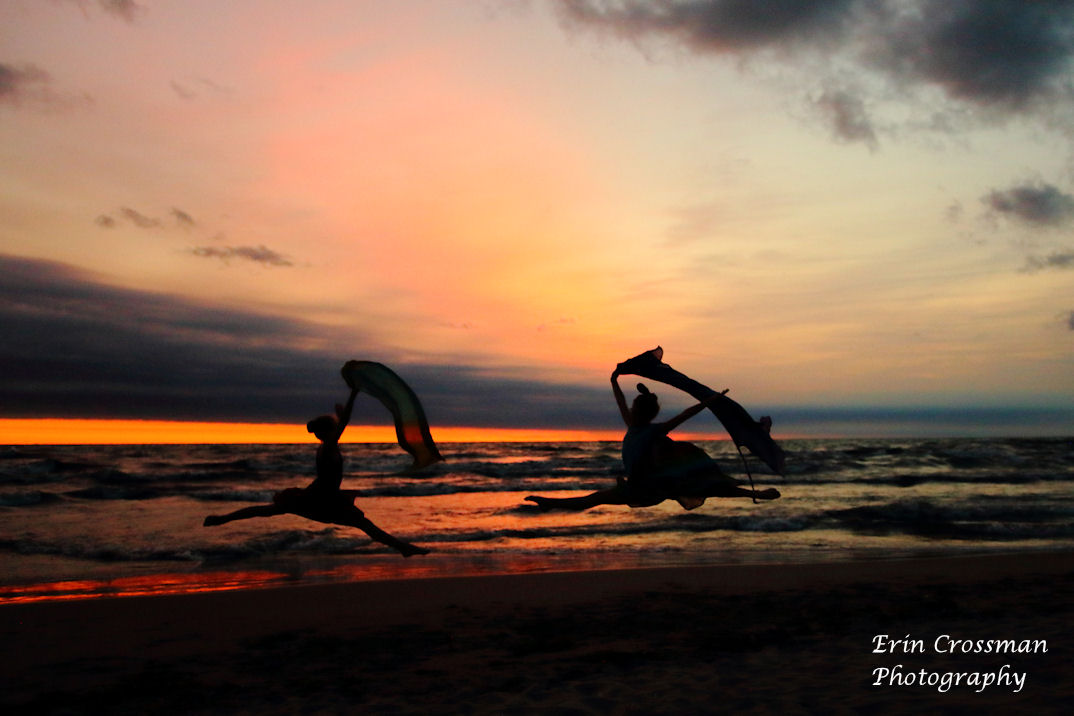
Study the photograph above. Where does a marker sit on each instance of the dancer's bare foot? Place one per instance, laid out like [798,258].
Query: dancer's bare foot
[541,502]
[412,549]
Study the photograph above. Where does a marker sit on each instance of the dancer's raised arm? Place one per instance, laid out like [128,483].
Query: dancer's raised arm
[343,413]
[620,399]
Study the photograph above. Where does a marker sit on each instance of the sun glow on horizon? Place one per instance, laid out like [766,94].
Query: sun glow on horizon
[62,431]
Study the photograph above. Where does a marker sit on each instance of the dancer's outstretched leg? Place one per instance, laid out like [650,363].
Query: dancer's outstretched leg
[244,514]
[724,487]
[325,511]
[355,518]
[569,503]
[621,494]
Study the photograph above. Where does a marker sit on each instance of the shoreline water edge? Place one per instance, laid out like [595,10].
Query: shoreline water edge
[89,521]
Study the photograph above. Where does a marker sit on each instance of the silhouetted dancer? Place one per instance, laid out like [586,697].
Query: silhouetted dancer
[657,467]
[322,500]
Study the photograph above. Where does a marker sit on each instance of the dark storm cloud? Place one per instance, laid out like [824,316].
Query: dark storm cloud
[718,25]
[76,347]
[1035,204]
[1070,321]
[1008,55]
[991,52]
[256,254]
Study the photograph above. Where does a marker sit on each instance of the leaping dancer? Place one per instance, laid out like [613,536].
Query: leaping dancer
[323,500]
[658,468]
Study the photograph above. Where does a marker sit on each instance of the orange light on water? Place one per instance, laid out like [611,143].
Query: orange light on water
[155,585]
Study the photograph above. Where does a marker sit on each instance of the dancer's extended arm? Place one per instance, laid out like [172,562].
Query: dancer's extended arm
[691,412]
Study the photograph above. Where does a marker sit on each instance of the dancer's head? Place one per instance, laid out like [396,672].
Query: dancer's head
[323,426]
[645,407]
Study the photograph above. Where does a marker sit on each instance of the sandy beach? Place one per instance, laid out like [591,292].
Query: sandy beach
[795,638]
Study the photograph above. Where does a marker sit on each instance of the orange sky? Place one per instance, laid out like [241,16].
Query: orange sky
[524,194]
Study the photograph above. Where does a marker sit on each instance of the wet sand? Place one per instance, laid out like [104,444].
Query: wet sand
[796,638]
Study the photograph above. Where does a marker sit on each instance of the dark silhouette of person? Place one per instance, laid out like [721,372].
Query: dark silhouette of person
[323,500]
[658,468]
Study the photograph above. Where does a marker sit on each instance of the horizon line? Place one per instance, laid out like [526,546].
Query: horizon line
[108,431]
[822,422]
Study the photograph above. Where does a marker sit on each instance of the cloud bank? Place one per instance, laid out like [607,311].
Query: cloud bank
[1006,54]
[998,57]
[75,346]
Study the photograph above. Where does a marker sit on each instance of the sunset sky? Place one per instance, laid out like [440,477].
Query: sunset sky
[840,210]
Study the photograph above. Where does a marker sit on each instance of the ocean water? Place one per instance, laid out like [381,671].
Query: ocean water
[89,521]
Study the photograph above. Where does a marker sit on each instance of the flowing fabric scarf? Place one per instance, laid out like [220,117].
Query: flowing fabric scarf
[411,426]
[743,429]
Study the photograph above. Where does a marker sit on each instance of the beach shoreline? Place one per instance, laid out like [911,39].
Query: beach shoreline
[654,640]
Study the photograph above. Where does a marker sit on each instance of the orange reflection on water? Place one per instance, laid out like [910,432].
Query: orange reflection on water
[156,584]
